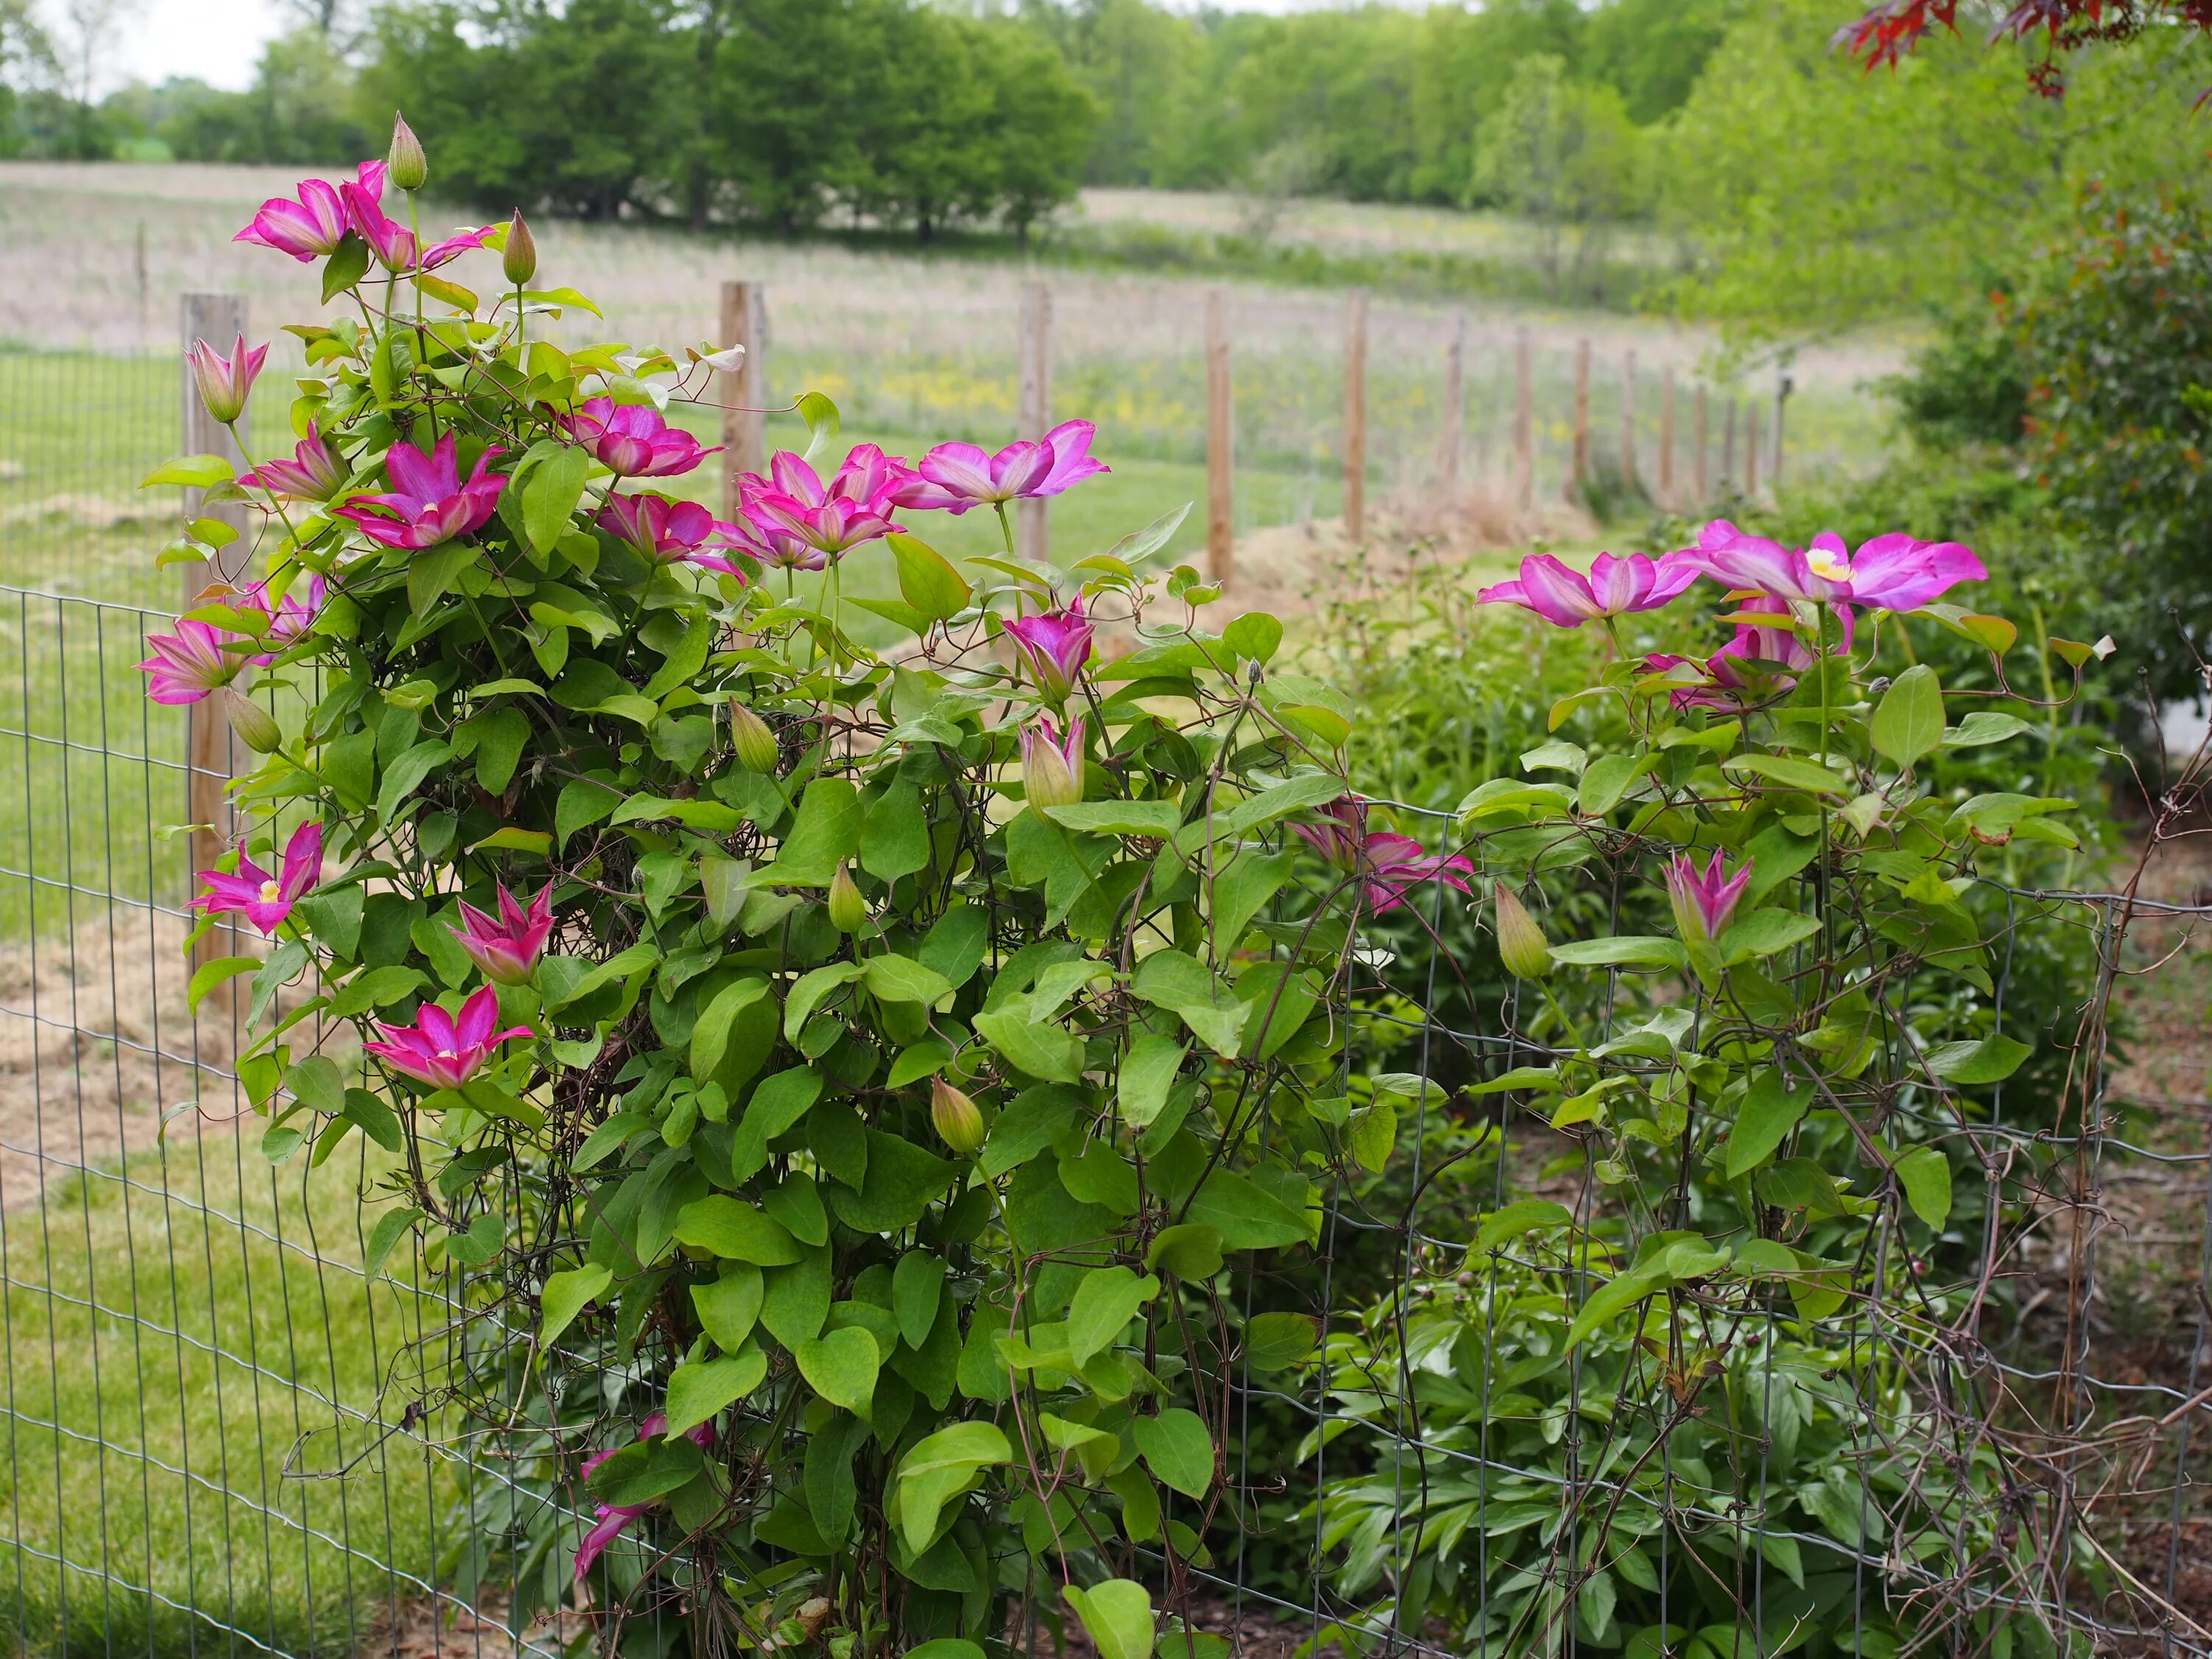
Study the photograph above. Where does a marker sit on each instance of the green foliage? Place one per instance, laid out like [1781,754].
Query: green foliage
[299,110]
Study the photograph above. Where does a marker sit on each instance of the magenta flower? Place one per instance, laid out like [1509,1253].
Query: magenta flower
[196,659]
[633,440]
[225,385]
[767,543]
[288,619]
[1053,646]
[668,532]
[1777,655]
[856,507]
[312,474]
[392,242]
[428,503]
[613,1517]
[313,225]
[506,949]
[1052,769]
[1613,587]
[1890,573]
[265,900]
[441,1050]
[957,477]
[1704,902]
[1388,864]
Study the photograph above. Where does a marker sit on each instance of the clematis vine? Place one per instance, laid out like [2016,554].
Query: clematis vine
[392,242]
[1614,586]
[315,223]
[955,477]
[186,666]
[670,532]
[1703,900]
[612,1518]
[506,948]
[225,384]
[1388,865]
[633,440]
[855,507]
[1894,572]
[263,899]
[1054,645]
[428,503]
[312,473]
[288,619]
[1052,767]
[442,1049]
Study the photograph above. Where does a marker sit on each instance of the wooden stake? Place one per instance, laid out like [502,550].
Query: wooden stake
[1220,443]
[1452,441]
[211,760]
[1628,422]
[1700,474]
[1033,414]
[1728,449]
[1667,440]
[1750,447]
[1524,424]
[1580,474]
[744,395]
[1782,389]
[1355,416]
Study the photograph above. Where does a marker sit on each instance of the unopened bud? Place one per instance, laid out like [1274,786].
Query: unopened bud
[404,164]
[755,744]
[1520,943]
[958,1123]
[255,726]
[848,911]
[520,259]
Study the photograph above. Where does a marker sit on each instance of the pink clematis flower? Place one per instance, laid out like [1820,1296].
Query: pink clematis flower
[1388,864]
[1890,573]
[313,225]
[1777,655]
[1702,900]
[957,477]
[855,507]
[670,532]
[225,384]
[312,474]
[288,619]
[634,441]
[612,1518]
[1052,767]
[442,1049]
[428,504]
[263,899]
[769,543]
[1614,586]
[392,242]
[507,949]
[1053,646]
[198,659]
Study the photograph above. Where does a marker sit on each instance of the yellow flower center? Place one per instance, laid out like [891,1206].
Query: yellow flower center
[271,892]
[1827,565]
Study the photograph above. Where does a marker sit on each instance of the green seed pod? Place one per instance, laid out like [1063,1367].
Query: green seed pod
[849,910]
[958,1123]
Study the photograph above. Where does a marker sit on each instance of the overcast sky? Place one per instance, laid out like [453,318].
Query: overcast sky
[219,40]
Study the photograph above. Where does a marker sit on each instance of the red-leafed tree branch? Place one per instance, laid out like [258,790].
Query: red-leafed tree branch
[1887,32]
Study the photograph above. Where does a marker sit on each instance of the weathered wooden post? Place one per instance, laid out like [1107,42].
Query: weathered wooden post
[1628,422]
[744,394]
[1524,424]
[1034,411]
[1355,416]
[1750,447]
[1667,439]
[1701,473]
[1220,444]
[1451,443]
[1580,475]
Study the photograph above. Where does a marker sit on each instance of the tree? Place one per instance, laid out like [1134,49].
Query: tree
[1563,153]
[299,110]
[1652,51]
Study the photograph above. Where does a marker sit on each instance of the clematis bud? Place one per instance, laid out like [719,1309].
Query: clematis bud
[958,1123]
[756,745]
[1520,944]
[405,167]
[519,261]
[255,726]
[848,911]
[1052,769]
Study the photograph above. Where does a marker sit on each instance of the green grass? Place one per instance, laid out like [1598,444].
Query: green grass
[184,1447]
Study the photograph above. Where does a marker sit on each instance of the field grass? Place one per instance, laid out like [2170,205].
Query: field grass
[192,1357]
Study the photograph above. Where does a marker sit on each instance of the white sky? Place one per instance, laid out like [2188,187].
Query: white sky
[219,41]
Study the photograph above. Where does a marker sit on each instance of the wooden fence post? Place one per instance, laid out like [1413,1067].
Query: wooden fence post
[1751,446]
[1628,422]
[1580,474]
[744,394]
[1728,449]
[210,759]
[1034,411]
[1220,444]
[1667,439]
[1700,473]
[1784,385]
[1355,416]
[1524,424]
[1452,442]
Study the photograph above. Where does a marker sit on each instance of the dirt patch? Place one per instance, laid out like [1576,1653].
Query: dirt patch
[444,1629]
[96,1043]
